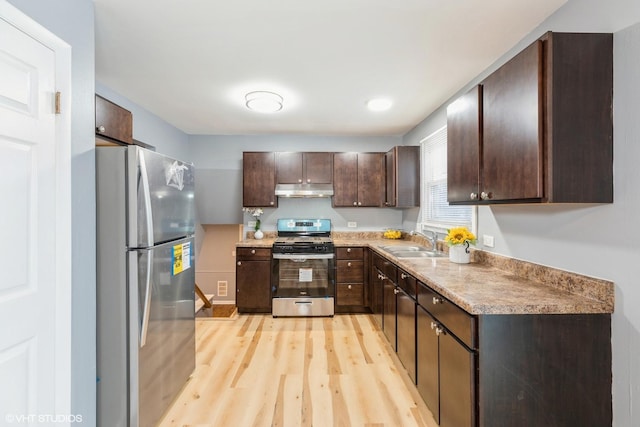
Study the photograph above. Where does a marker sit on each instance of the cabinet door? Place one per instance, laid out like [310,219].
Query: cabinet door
[258,179]
[253,286]
[389,311]
[289,168]
[406,332]
[345,179]
[427,380]
[512,157]
[318,168]
[370,179]
[464,119]
[390,178]
[457,383]
[113,121]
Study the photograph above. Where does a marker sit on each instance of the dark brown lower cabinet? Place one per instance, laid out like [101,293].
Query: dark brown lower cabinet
[389,290]
[406,332]
[457,382]
[253,280]
[428,378]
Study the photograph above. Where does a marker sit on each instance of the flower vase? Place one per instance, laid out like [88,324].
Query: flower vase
[258,234]
[460,254]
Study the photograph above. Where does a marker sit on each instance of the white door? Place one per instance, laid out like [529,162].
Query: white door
[34,228]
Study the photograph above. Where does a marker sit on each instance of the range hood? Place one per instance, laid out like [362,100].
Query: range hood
[304,190]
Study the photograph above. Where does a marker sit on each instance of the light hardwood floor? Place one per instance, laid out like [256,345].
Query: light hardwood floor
[260,371]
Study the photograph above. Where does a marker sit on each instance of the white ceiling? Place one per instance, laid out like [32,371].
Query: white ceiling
[190,62]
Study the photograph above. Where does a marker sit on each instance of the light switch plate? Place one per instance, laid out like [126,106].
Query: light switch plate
[352,224]
[488,241]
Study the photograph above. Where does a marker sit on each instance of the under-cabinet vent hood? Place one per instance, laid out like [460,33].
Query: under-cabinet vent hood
[304,190]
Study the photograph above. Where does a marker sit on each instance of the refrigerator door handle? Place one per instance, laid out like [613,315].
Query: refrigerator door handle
[147,199]
[147,300]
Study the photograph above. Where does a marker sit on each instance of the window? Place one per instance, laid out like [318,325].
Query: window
[435,211]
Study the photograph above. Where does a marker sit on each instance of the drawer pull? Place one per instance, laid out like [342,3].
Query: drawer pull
[396,291]
[437,300]
[348,249]
[403,276]
[349,287]
[348,264]
[433,325]
[253,251]
[439,330]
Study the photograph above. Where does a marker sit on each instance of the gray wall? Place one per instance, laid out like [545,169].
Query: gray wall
[596,240]
[219,164]
[72,21]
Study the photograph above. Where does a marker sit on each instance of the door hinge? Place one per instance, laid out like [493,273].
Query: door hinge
[57,107]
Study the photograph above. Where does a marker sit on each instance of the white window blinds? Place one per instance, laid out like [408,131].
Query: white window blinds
[435,210]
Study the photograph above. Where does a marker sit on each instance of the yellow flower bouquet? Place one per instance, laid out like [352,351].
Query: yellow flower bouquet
[460,236]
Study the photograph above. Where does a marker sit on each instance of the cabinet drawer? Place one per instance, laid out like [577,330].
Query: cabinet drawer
[350,294]
[408,283]
[462,324]
[386,267]
[349,253]
[350,271]
[253,253]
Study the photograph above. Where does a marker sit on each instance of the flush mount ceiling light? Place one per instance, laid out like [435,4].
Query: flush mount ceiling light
[263,101]
[379,104]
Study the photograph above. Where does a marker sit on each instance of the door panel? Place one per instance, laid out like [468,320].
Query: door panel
[34,196]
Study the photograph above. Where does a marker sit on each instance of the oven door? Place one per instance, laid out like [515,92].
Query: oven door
[303,275]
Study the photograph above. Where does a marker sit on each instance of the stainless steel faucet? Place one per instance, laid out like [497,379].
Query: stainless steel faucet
[433,239]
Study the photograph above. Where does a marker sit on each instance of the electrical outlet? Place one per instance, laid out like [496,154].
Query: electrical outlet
[488,241]
[251,224]
[352,224]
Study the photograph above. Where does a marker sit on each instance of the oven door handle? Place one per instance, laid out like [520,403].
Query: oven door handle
[302,257]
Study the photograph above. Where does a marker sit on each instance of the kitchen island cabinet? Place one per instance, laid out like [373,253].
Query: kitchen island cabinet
[259,179]
[358,179]
[253,280]
[543,127]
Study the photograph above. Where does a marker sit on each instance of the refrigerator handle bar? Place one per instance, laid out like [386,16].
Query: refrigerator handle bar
[147,300]
[147,199]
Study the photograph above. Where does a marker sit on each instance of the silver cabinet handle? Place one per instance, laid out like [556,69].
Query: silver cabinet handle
[253,251]
[486,196]
[355,203]
[403,276]
[439,330]
[308,180]
[433,325]
[359,203]
[437,300]
[348,249]
[396,291]
[348,264]
[239,262]
[300,180]
[101,129]
[271,203]
[349,287]
[473,196]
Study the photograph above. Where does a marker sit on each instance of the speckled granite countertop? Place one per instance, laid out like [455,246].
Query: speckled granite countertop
[491,284]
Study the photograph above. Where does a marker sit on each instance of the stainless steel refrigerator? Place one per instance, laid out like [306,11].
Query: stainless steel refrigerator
[145,283]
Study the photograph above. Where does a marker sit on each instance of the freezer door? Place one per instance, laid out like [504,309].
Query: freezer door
[160,196]
[162,327]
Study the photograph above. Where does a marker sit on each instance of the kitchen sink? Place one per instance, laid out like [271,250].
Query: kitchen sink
[412,251]
[419,254]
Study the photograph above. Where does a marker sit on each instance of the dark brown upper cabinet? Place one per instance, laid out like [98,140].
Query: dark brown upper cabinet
[304,168]
[402,176]
[358,179]
[113,121]
[542,125]
[259,179]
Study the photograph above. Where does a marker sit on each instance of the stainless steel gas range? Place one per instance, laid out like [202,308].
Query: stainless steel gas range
[303,268]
